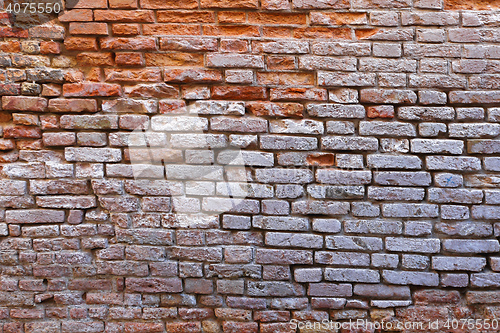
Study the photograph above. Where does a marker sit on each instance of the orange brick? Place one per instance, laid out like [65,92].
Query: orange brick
[50,48]
[239,93]
[472,5]
[132,75]
[171,29]
[80,44]
[365,33]
[95,75]
[123,4]
[335,33]
[76,15]
[247,4]
[169,4]
[320,159]
[10,46]
[124,15]
[185,16]
[87,4]
[286,79]
[174,59]
[129,59]
[281,62]
[139,43]
[325,18]
[88,28]
[13,32]
[95,59]
[277,32]
[232,17]
[125,29]
[231,30]
[277,19]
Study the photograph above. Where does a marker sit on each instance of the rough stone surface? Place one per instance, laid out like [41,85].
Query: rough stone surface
[225,166]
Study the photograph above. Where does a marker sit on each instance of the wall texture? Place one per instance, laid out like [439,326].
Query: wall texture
[229,165]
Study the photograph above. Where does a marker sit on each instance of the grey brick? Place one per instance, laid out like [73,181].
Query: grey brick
[352,275]
[471,246]
[419,178]
[336,111]
[413,245]
[381,227]
[410,210]
[382,291]
[473,264]
[395,193]
[305,207]
[348,143]
[411,278]
[426,113]
[433,146]
[386,128]
[336,258]
[297,176]
[282,142]
[452,163]
[384,161]
[353,243]
[281,239]
[343,177]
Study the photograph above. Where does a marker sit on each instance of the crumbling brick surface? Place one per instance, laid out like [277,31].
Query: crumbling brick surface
[231,165]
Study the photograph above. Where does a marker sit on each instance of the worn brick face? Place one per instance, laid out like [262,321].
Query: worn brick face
[230,165]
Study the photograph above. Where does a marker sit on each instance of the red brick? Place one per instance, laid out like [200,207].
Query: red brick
[232,17]
[91,89]
[174,59]
[239,93]
[25,119]
[231,30]
[185,16]
[122,43]
[247,4]
[333,33]
[281,62]
[133,75]
[123,4]
[50,48]
[124,15]
[80,44]
[10,46]
[285,79]
[278,18]
[238,327]
[88,28]
[125,29]
[129,59]
[13,32]
[72,105]
[10,89]
[380,111]
[169,4]
[171,29]
[87,4]
[24,103]
[192,75]
[275,109]
[144,328]
[277,32]
[76,15]
[95,59]
[320,159]
[298,94]
[471,5]
[192,327]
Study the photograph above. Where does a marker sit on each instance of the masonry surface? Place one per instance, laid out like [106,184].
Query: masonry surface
[230,165]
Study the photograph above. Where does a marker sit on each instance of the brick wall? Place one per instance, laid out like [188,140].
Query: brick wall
[229,165]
